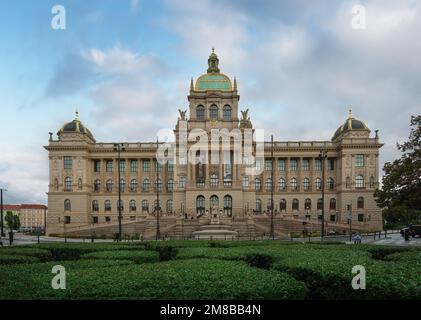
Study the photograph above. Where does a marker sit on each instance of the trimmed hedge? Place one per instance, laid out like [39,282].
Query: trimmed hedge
[180,279]
[139,256]
[14,259]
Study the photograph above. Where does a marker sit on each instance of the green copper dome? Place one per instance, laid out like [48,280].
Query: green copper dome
[75,126]
[350,124]
[213,79]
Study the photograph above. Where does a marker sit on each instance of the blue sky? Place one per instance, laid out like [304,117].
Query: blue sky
[126,65]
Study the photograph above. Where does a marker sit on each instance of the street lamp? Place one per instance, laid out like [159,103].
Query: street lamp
[158,234]
[119,147]
[1,212]
[322,157]
[272,234]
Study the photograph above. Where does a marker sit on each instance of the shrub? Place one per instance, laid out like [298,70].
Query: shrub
[179,279]
[167,253]
[213,244]
[14,259]
[138,256]
[259,260]
[379,253]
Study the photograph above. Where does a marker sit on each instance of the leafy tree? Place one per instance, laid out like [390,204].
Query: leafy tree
[12,220]
[401,190]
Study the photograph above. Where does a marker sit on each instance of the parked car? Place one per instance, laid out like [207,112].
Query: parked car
[415,230]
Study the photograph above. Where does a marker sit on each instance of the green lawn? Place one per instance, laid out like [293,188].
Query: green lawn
[209,270]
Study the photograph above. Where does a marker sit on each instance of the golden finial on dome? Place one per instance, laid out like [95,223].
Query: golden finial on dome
[350,112]
[213,49]
[77,114]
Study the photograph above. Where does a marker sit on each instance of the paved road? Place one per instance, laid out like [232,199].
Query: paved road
[397,240]
[392,240]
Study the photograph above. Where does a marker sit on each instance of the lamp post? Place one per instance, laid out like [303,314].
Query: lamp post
[158,234]
[119,147]
[322,157]
[349,207]
[272,234]
[1,212]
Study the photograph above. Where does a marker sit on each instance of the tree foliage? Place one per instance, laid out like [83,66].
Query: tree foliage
[402,179]
[12,220]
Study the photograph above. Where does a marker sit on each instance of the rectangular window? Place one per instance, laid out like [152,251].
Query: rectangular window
[158,166]
[67,162]
[318,165]
[245,182]
[361,217]
[170,166]
[133,166]
[182,182]
[258,165]
[109,166]
[331,164]
[359,160]
[281,165]
[293,165]
[306,165]
[97,165]
[146,165]
[122,165]
[268,165]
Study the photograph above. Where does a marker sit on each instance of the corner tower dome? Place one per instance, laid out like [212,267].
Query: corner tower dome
[351,124]
[213,79]
[76,126]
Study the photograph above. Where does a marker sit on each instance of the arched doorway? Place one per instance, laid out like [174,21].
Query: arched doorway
[228,205]
[214,203]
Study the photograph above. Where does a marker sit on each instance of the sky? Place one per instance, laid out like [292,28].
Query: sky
[126,66]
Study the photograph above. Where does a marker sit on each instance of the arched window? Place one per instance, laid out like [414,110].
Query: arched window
[68,183]
[157,205]
[269,184]
[214,181]
[306,184]
[332,204]
[95,206]
[132,205]
[330,183]
[372,183]
[169,206]
[107,205]
[318,184]
[200,113]
[293,184]
[214,201]
[170,185]
[258,205]
[348,182]
[227,113]
[257,184]
[360,203]
[158,185]
[67,205]
[146,185]
[295,204]
[283,205]
[214,112]
[97,185]
[269,204]
[200,205]
[122,185]
[228,205]
[121,204]
[319,204]
[145,206]
[307,204]
[109,185]
[281,184]
[359,182]
[133,185]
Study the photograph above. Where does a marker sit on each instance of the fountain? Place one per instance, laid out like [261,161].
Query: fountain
[215,230]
